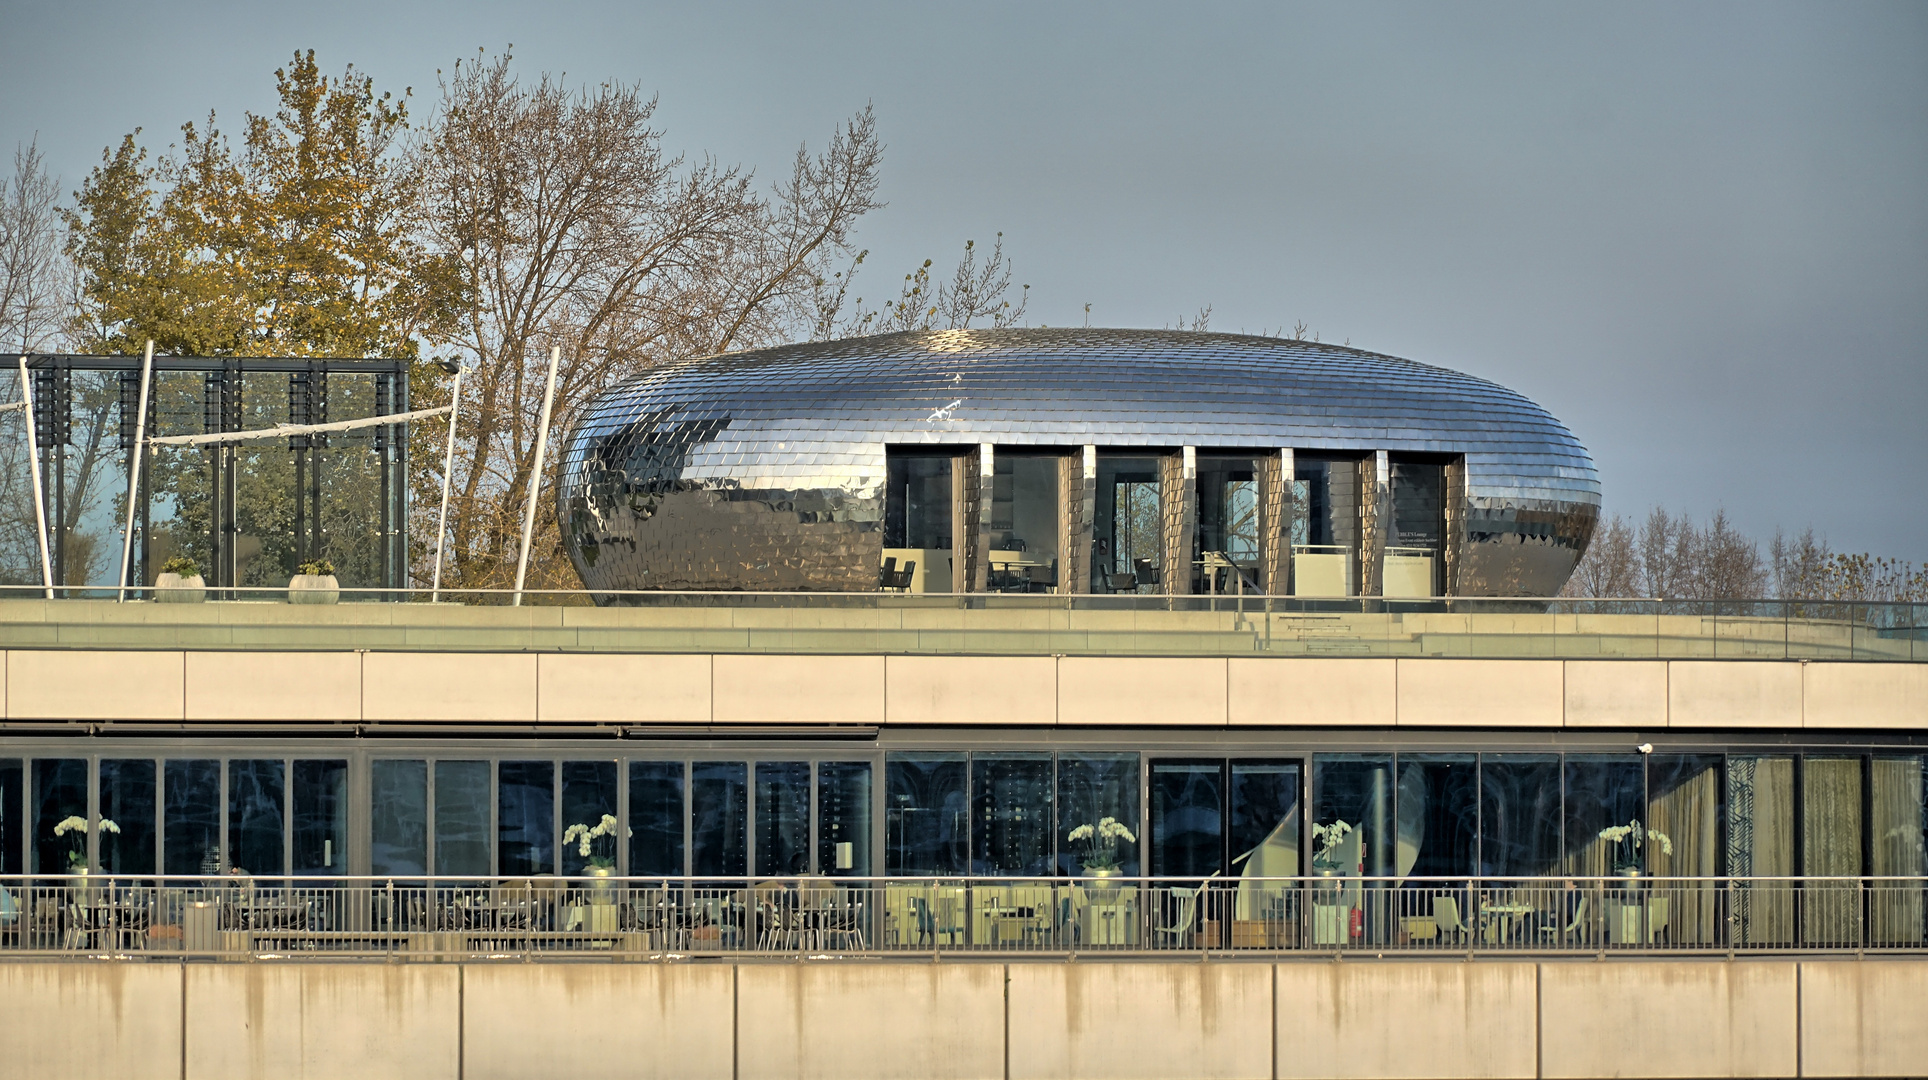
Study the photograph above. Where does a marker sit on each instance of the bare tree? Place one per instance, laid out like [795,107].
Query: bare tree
[1727,565]
[1611,565]
[34,280]
[976,292]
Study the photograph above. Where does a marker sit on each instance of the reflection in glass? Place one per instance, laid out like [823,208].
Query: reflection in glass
[462,822]
[655,817]
[1438,810]
[320,817]
[191,817]
[12,797]
[257,793]
[926,816]
[1228,511]
[1418,504]
[1352,814]
[1011,812]
[1760,843]
[59,792]
[1187,818]
[1602,792]
[1129,524]
[398,817]
[525,824]
[1683,823]
[1092,787]
[843,818]
[917,501]
[782,818]
[719,818]
[1898,827]
[1024,523]
[1519,814]
[588,793]
[127,800]
[1264,834]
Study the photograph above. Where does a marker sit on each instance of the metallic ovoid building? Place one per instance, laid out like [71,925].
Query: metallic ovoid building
[1071,461]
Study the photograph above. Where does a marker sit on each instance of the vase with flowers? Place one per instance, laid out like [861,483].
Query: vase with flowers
[1626,844]
[74,831]
[596,844]
[1099,851]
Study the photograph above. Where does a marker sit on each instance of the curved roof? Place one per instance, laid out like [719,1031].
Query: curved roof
[795,412]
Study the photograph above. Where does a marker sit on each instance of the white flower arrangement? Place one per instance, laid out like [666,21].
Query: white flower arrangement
[76,826]
[1329,838]
[1628,839]
[585,837]
[1101,843]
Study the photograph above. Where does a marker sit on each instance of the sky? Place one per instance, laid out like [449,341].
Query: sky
[1697,233]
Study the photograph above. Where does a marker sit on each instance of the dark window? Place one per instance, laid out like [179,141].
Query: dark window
[782,818]
[588,796]
[59,794]
[1519,814]
[1438,810]
[843,818]
[1129,527]
[1011,814]
[1228,508]
[656,817]
[1091,788]
[321,817]
[12,804]
[398,818]
[917,501]
[525,831]
[191,817]
[257,794]
[1418,504]
[1603,794]
[1187,818]
[127,800]
[1352,814]
[1265,818]
[926,814]
[462,817]
[719,814]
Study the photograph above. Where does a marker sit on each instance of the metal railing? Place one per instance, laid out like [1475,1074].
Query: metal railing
[238,918]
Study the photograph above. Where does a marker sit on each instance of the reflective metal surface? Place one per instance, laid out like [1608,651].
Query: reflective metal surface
[765,470]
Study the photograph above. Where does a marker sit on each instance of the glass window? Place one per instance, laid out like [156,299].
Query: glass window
[1438,815]
[1325,501]
[191,817]
[1603,793]
[462,824]
[1519,815]
[1683,839]
[1899,826]
[589,793]
[257,791]
[59,793]
[1831,832]
[1265,818]
[1091,788]
[655,817]
[1418,504]
[398,817]
[525,824]
[321,817]
[1760,844]
[1024,523]
[843,818]
[1187,818]
[782,818]
[927,824]
[13,798]
[1352,814]
[1011,812]
[127,800]
[1128,531]
[917,501]
[1228,509]
[719,818]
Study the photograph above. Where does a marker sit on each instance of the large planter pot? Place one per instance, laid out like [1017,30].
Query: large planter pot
[602,885]
[314,589]
[175,589]
[1103,884]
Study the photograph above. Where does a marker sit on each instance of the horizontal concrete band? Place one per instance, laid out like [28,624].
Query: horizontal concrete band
[1115,1021]
[669,689]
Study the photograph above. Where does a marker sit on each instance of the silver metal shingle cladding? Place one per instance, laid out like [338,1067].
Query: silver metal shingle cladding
[766,469]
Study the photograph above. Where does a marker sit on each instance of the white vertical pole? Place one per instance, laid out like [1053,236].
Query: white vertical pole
[135,459]
[448,470]
[535,475]
[39,498]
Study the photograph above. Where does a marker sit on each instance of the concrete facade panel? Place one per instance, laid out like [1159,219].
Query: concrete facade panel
[1864,1018]
[647,1021]
[1480,693]
[882,1021]
[1179,691]
[1733,693]
[1616,694]
[89,685]
[971,690]
[90,1021]
[1867,695]
[759,688]
[449,686]
[1312,692]
[316,1021]
[1668,1019]
[307,686]
[1406,1020]
[1121,1021]
[623,688]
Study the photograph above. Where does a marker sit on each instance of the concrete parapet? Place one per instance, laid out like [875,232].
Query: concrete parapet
[1150,1020]
[317,1021]
[1864,1018]
[90,1021]
[1668,1018]
[1406,1020]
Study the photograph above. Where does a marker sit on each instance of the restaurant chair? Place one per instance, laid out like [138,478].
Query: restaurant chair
[1446,917]
[1122,583]
[1146,572]
[887,576]
[1573,930]
[1178,931]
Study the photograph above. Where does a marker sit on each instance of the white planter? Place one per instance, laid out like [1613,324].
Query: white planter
[175,589]
[314,589]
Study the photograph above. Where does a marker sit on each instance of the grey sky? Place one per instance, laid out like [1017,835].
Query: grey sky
[1697,233]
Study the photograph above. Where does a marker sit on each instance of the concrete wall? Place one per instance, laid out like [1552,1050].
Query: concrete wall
[886,1019]
[775,689]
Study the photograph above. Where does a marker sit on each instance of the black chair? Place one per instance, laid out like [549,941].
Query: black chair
[1122,583]
[902,579]
[1147,573]
[887,575]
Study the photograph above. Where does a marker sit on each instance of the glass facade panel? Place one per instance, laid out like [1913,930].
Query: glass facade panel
[191,817]
[1187,800]
[398,817]
[1265,818]
[1418,504]
[1898,830]
[462,822]
[1228,512]
[1761,843]
[1519,815]
[1024,523]
[1128,532]
[59,793]
[843,818]
[656,818]
[13,801]
[719,818]
[321,817]
[1091,788]
[1685,814]
[927,825]
[589,793]
[782,818]
[917,501]
[1011,814]
[1603,793]
[1352,814]
[127,799]
[1832,831]
[257,798]
[525,824]
[1438,815]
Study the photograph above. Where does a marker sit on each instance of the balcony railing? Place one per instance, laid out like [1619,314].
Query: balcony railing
[658,918]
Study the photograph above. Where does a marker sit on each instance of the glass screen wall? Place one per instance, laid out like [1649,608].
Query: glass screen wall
[719,818]
[463,821]
[656,806]
[589,799]
[13,796]
[843,818]
[917,517]
[1325,525]
[1023,529]
[782,818]
[320,817]
[257,793]
[127,800]
[1011,814]
[1228,521]
[1128,532]
[525,832]
[926,814]
[191,816]
[1415,539]
[398,818]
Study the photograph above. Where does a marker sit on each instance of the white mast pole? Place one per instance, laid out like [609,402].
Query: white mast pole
[135,460]
[39,498]
[535,475]
[448,470]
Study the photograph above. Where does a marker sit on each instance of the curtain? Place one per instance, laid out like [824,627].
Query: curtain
[1831,831]
[1898,827]
[1760,844]
[1683,805]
